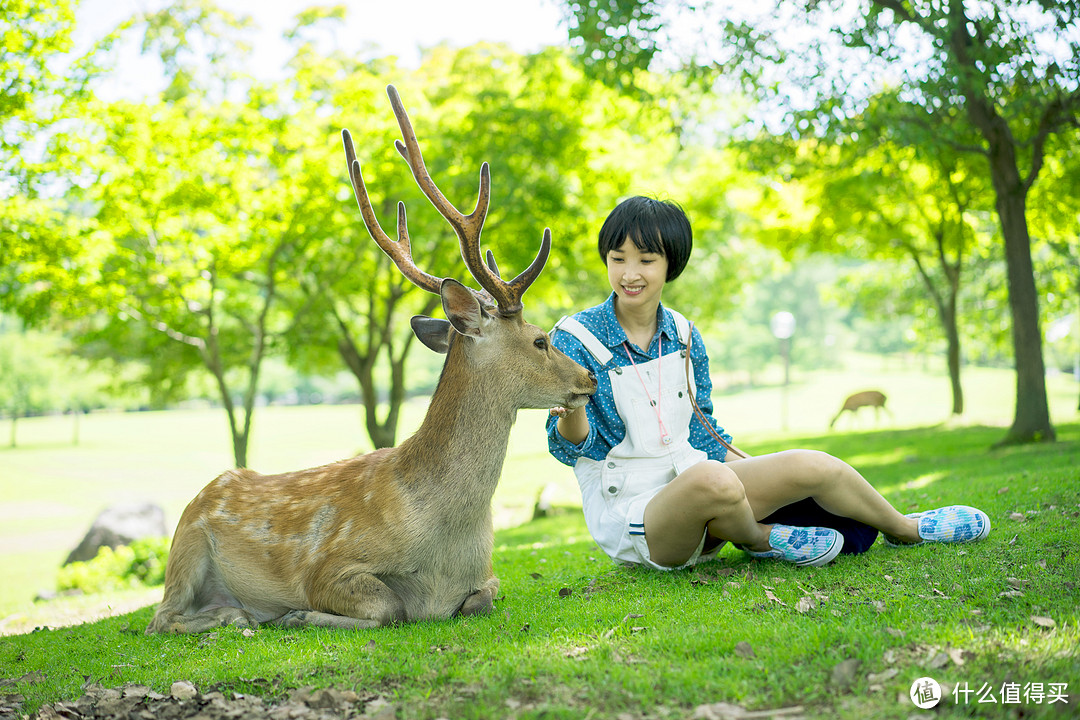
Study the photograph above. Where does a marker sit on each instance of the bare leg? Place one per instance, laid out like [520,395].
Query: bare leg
[775,480]
[708,496]
[728,499]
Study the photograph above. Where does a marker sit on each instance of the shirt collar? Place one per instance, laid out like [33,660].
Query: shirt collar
[612,334]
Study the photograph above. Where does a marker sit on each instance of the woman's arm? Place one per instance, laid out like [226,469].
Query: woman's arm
[573,425]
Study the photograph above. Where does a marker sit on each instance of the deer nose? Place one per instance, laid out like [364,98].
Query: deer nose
[592,378]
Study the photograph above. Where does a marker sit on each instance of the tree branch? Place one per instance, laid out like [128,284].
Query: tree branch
[1059,112]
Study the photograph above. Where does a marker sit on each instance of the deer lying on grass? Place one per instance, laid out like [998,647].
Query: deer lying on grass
[403,533]
[866,398]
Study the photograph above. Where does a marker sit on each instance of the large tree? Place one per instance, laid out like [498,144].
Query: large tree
[1006,70]
[198,209]
[871,197]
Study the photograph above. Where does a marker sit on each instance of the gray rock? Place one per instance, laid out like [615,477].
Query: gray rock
[120,525]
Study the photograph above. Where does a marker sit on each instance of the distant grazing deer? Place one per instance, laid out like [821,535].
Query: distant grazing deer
[867,398]
[402,533]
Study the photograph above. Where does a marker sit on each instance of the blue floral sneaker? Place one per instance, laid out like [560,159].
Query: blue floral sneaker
[952,524]
[802,545]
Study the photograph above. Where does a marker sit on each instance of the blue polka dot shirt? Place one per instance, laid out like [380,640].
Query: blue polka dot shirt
[606,428]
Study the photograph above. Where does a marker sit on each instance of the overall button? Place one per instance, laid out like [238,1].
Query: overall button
[613,489]
[611,465]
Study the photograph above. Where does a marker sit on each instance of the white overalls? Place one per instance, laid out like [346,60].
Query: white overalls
[651,398]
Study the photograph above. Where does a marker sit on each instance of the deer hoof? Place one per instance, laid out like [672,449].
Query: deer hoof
[479,603]
[294,619]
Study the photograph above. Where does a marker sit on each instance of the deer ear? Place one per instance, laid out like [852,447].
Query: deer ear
[461,307]
[432,332]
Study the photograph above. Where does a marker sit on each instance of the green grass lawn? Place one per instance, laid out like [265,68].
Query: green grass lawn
[575,636]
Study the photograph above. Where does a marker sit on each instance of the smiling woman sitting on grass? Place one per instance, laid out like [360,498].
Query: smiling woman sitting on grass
[658,487]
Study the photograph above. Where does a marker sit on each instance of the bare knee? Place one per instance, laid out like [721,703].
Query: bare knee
[717,485]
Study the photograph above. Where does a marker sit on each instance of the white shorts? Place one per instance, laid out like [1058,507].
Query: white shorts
[619,528]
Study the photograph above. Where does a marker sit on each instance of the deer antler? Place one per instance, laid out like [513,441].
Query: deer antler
[400,251]
[507,295]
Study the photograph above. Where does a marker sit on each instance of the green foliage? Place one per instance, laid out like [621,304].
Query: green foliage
[142,563]
[33,33]
[616,38]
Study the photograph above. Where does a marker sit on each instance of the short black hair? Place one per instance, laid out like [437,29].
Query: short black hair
[654,226]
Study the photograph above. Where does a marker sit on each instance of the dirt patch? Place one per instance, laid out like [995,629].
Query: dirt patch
[65,611]
[138,702]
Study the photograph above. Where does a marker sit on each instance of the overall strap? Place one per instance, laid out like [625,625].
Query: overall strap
[682,326]
[591,343]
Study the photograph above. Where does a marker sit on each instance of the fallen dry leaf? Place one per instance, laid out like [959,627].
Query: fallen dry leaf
[769,594]
[806,604]
[1018,517]
[743,650]
[1042,621]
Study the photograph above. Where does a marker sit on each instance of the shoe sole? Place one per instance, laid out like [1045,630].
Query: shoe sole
[828,557]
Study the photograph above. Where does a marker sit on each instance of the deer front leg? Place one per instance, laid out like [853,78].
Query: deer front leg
[202,621]
[349,601]
[481,602]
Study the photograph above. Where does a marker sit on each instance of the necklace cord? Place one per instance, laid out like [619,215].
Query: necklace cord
[665,436]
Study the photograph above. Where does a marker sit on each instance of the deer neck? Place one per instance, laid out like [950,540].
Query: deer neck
[462,442]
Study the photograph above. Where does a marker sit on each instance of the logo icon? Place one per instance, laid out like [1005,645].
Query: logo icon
[925,693]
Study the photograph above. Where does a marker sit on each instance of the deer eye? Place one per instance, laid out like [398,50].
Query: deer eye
[540,343]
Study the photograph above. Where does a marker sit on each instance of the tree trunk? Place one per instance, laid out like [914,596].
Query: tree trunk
[947,311]
[212,360]
[362,365]
[1031,421]
[382,434]
[952,335]
[1032,418]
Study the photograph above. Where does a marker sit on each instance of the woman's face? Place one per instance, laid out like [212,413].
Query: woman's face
[636,277]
